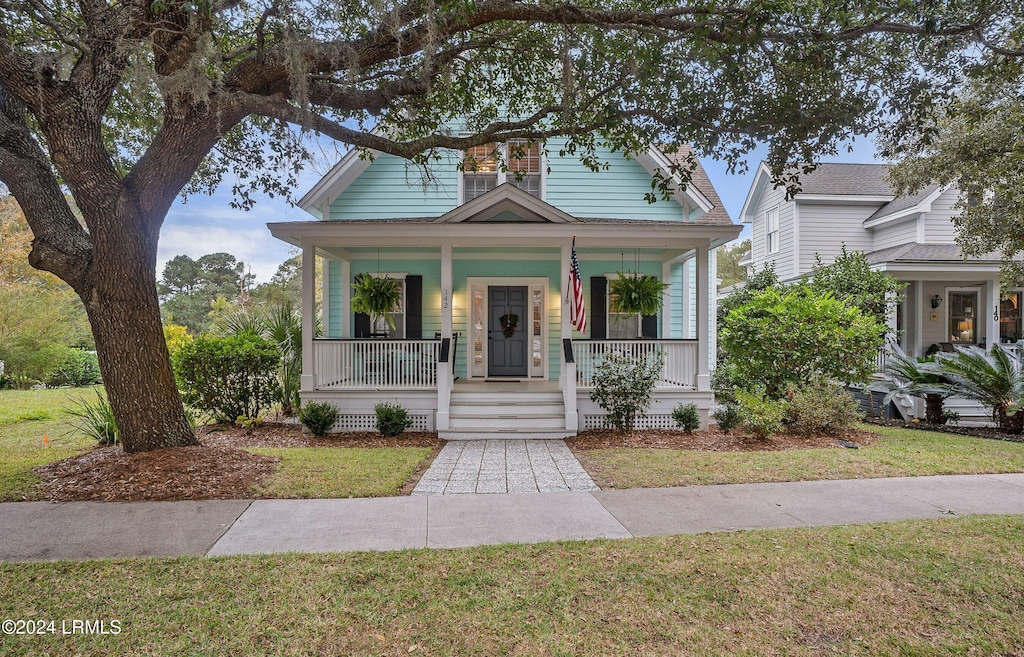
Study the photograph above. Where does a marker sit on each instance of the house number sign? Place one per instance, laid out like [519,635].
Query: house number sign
[444,299]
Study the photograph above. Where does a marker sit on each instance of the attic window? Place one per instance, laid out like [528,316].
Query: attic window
[483,171]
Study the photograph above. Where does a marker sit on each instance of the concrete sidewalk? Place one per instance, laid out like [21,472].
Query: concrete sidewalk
[83,530]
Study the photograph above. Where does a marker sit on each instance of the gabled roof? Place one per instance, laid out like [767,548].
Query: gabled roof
[844,179]
[505,203]
[699,194]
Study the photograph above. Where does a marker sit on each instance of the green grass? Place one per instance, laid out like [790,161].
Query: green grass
[26,418]
[316,472]
[932,587]
[899,453]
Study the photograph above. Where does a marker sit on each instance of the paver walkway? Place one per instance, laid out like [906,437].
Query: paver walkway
[504,466]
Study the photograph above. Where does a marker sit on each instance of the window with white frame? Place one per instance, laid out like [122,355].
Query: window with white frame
[621,326]
[481,171]
[771,230]
[382,328]
[963,312]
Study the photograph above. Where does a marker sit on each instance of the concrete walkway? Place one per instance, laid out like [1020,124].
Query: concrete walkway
[504,466]
[83,530]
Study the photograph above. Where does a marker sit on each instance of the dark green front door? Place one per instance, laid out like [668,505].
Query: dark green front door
[507,331]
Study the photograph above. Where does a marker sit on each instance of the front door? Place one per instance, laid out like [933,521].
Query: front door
[508,328]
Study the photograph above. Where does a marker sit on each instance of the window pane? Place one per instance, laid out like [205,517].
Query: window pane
[523,157]
[621,326]
[1009,318]
[963,308]
[481,159]
[478,184]
[383,328]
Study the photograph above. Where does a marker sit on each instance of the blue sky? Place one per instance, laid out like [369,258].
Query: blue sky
[206,224]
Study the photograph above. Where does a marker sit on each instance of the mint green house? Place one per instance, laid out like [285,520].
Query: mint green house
[482,342]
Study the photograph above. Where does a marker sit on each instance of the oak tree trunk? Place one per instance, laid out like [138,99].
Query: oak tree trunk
[121,301]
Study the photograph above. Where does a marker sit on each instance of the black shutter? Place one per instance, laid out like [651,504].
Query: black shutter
[413,307]
[649,326]
[362,326]
[598,307]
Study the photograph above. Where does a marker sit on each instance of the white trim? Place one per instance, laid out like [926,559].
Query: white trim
[845,199]
[795,242]
[761,178]
[531,283]
[331,186]
[925,205]
[505,197]
[654,160]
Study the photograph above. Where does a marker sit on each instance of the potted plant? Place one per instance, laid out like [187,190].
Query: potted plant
[377,297]
[637,294]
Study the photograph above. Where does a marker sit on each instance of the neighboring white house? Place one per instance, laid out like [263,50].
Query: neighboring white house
[482,342]
[948,299]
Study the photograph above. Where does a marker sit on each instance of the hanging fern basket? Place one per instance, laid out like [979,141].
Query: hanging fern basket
[637,294]
[376,297]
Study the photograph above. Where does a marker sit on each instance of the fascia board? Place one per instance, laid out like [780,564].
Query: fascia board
[761,179]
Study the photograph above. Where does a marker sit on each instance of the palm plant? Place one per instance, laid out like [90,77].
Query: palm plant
[283,326]
[989,378]
[911,376]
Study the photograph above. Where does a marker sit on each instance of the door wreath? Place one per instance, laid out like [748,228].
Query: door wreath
[508,324]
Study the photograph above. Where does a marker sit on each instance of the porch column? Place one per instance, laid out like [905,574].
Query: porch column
[308,380]
[666,300]
[703,319]
[917,345]
[346,298]
[567,371]
[566,263]
[992,324]
[687,300]
[445,371]
[446,290]
[325,297]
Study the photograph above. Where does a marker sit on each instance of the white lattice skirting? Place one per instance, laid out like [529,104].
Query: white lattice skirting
[644,422]
[368,422]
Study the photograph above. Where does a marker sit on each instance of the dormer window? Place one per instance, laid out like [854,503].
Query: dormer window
[482,171]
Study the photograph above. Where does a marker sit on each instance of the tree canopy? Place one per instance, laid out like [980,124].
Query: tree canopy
[975,142]
[125,105]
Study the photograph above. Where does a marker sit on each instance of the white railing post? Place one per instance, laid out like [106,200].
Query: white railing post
[680,359]
[376,364]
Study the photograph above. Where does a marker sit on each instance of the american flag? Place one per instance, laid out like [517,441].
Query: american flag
[574,295]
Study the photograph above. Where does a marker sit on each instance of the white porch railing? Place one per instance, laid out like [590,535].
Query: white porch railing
[679,359]
[376,364]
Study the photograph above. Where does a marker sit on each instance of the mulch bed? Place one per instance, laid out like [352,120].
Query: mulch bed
[977,432]
[217,469]
[712,440]
[179,473]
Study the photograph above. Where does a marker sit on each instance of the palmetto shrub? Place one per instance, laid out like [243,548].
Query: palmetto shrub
[913,376]
[989,378]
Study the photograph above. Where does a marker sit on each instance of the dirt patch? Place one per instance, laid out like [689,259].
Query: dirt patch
[290,435]
[711,440]
[180,473]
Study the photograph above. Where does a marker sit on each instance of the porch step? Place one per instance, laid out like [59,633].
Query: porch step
[514,414]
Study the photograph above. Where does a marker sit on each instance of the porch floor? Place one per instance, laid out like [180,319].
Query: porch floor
[504,466]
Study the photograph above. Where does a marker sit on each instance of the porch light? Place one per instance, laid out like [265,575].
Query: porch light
[936,301]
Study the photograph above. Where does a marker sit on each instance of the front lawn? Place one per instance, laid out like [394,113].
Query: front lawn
[321,472]
[930,587]
[34,431]
[898,453]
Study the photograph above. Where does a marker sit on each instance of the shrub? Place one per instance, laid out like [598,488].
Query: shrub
[622,387]
[687,418]
[95,419]
[78,368]
[392,419]
[822,408]
[228,377]
[318,417]
[783,340]
[987,378]
[727,416]
[761,415]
